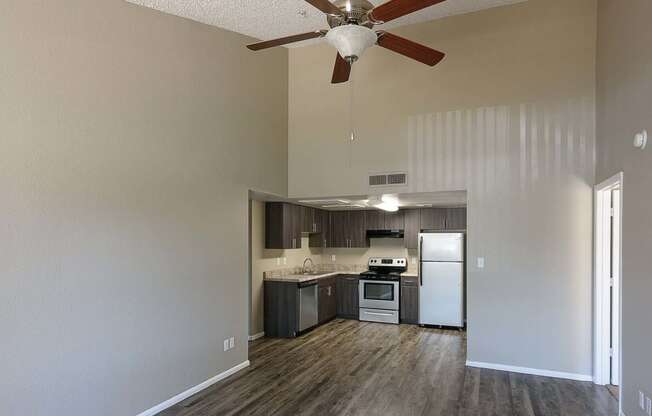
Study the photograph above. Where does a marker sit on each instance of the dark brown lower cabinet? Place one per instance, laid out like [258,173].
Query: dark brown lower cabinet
[281,309]
[327,300]
[347,296]
[409,313]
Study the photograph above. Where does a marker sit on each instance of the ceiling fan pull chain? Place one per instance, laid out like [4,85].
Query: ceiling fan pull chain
[351,118]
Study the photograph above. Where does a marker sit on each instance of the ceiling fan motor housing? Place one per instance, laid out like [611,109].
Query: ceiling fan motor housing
[351,41]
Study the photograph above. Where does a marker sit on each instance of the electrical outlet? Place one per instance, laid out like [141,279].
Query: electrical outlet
[231,342]
[285,260]
[480,262]
[226,345]
[648,406]
[333,257]
[278,261]
[641,400]
[414,260]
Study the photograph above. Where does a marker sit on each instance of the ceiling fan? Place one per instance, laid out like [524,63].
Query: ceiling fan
[352,33]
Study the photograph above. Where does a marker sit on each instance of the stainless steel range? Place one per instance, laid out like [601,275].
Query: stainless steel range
[379,289]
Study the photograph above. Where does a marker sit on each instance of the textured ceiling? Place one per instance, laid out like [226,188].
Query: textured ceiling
[270,19]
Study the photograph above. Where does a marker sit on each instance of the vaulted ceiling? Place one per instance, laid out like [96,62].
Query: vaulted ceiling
[270,19]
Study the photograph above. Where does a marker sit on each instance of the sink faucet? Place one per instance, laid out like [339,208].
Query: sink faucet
[312,265]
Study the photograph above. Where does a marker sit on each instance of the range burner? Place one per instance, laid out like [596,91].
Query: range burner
[373,275]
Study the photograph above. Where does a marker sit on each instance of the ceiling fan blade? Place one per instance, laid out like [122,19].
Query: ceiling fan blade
[284,41]
[410,49]
[342,70]
[394,9]
[326,7]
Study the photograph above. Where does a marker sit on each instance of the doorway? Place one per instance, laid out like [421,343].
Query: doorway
[608,283]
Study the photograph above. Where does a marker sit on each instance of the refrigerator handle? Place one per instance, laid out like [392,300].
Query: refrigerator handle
[420,258]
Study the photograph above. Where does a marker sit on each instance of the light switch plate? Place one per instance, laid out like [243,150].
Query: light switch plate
[414,260]
[648,406]
[641,400]
[226,345]
[231,342]
[480,262]
[333,257]
[278,261]
[285,260]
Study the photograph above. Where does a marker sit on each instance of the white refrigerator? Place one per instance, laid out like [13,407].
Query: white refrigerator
[441,279]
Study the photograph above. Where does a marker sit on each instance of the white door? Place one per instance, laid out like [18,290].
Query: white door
[441,294]
[615,285]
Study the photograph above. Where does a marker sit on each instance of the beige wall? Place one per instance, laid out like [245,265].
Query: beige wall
[263,260]
[384,247]
[128,142]
[623,98]
[508,116]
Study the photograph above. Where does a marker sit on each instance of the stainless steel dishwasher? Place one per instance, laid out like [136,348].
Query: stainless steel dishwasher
[308,304]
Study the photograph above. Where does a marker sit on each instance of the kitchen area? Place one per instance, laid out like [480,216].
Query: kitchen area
[348,259]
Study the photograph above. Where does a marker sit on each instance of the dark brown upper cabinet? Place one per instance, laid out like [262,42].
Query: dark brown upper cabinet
[395,220]
[412,228]
[321,237]
[374,220]
[433,219]
[312,220]
[456,219]
[348,229]
[283,224]
[307,219]
[381,220]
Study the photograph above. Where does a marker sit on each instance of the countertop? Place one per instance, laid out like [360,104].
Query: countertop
[300,278]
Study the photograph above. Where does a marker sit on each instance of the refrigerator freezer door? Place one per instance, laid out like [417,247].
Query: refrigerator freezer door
[441,246]
[441,296]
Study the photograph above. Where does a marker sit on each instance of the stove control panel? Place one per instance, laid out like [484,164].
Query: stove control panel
[387,262]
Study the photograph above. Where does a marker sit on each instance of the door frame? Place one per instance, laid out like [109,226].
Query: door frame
[602,275]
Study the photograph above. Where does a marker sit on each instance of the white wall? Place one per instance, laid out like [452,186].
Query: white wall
[508,116]
[624,94]
[128,142]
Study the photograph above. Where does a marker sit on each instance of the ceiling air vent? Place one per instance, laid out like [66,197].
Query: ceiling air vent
[378,180]
[397,179]
[388,179]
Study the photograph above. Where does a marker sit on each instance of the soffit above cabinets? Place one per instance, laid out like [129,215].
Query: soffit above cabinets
[270,19]
[356,202]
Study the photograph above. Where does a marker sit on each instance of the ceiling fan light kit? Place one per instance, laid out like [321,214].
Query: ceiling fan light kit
[351,33]
[351,41]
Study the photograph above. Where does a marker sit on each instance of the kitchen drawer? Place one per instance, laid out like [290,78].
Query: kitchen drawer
[409,280]
[327,281]
[379,315]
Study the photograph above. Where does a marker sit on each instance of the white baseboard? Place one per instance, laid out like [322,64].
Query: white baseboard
[193,390]
[531,371]
[256,336]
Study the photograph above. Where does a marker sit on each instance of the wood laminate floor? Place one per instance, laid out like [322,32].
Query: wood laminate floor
[359,368]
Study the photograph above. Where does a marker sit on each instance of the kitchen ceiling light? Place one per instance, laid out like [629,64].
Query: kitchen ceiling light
[387,206]
[351,40]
